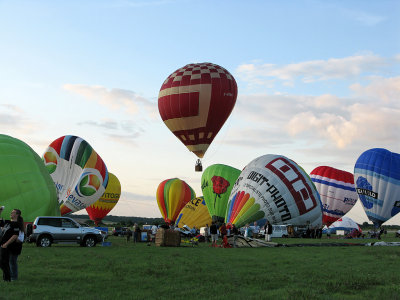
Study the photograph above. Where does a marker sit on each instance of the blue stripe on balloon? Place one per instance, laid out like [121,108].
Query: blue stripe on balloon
[340,186]
[332,212]
[379,176]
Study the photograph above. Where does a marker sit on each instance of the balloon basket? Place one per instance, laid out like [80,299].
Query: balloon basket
[198,167]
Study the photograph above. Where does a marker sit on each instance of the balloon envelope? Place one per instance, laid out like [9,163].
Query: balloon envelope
[25,183]
[216,183]
[347,224]
[172,195]
[194,213]
[98,210]
[377,179]
[78,172]
[276,188]
[337,191]
[194,103]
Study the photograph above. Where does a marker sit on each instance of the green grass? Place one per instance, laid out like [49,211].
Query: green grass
[128,271]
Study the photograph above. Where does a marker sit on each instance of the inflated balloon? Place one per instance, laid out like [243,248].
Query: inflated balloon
[216,183]
[98,210]
[24,181]
[377,179]
[194,213]
[194,103]
[337,191]
[172,195]
[78,172]
[276,188]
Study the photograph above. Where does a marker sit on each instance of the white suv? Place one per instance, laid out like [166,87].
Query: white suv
[48,230]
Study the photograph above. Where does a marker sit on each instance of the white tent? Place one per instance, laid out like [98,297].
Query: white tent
[344,223]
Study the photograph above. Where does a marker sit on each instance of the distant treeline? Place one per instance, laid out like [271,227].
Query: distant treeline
[118,220]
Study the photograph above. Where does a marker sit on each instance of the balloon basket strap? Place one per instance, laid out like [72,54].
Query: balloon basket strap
[198,167]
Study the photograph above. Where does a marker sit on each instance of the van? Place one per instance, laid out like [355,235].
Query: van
[278,231]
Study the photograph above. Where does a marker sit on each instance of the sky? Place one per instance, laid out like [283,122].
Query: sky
[318,82]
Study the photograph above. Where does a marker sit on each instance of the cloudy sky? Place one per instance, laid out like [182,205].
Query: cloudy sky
[318,81]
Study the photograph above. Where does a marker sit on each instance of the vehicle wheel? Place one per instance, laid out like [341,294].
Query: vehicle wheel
[89,241]
[44,241]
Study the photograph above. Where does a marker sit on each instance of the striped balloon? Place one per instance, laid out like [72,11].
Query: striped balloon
[337,191]
[79,173]
[377,179]
[172,195]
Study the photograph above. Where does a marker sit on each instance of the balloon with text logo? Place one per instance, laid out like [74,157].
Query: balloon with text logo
[337,191]
[172,195]
[195,101]
[78,172]
[216,183]
[194,213]
[377,179]
[25,183]
[98,210]
[276,188]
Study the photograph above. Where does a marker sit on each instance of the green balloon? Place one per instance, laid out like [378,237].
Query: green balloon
[216,183]
[25,183]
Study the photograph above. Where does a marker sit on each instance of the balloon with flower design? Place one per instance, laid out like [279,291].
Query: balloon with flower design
[98,210]
[78,172]
[216,183]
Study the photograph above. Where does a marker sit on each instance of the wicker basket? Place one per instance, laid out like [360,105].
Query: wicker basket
[168,238]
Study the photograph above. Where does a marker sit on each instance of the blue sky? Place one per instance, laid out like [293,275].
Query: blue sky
[318,82]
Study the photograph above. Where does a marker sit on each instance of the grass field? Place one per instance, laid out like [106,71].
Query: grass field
[128,271]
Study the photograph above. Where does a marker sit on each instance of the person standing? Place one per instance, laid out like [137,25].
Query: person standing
[256,230]
[268,231]
[235,233]
[206,233]
[214,234]
[9,245]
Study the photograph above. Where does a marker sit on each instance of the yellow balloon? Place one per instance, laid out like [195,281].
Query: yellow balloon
[194,213]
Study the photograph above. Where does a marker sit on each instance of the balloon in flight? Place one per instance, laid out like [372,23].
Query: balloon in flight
[98,210]
[276,188]
[194,213]
[337,191]
[25,182]
[195,101]
[172,195]
[216,183]
[78,172]
[377,179]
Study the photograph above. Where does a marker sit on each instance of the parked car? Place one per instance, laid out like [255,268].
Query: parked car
[48,230]
[120,231]
[278,231]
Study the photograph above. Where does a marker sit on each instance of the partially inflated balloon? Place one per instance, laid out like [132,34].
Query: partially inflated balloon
[172,195]
[216,183]
[337,191]
[377,178]
[25,183]
[78,172]
[195,101]
[195,213]
[276,188]
[98,210]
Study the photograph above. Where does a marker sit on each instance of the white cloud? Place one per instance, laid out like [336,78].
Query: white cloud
[115,99]
[311,71]
[15,121]
[385,89]
[364,18]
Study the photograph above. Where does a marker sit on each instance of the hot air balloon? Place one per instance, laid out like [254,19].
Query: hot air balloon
[98,210]
[78,172]
[337,191]
[216,183]
[194,102]
[172,195]
[24,181]
[276,188]
[377,179]
[194,213]
[347,224]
